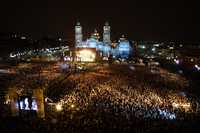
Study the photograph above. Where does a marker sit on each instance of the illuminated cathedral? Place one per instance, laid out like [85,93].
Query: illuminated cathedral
[121,49]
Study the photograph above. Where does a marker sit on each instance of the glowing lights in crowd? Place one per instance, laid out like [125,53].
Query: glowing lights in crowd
[153,49]
[180,71]
[143,47]
[185,106]
[64,66]
[168,58]
[105,58]
[156,45]
[4,71]
[12,55]
[177,61]
[67,59]
[167,114]
[197,67]
[23,37]
[72,106]
[132,68]
[59,107]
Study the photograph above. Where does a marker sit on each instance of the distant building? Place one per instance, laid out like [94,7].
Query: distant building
[123,48]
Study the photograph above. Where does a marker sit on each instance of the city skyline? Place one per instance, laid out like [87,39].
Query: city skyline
[138,20]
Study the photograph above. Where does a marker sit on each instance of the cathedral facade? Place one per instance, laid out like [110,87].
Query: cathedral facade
[121,49]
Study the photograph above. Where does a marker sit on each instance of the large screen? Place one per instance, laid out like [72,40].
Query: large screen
[27,103]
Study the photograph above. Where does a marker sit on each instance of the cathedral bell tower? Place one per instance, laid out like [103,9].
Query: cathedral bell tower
[106,33]
[78,34]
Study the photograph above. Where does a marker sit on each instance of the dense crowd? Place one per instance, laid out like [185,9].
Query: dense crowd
[119,100]
[116,98]
[122,97]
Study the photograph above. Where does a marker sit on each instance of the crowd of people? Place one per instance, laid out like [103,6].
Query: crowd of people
[109,98]
[124,96]
[117,97]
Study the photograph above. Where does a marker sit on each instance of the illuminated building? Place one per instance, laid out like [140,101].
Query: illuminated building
[122,49]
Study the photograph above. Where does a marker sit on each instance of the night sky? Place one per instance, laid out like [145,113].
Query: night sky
[138,20]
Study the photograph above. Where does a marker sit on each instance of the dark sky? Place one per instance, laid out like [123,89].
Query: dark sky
[138,20]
